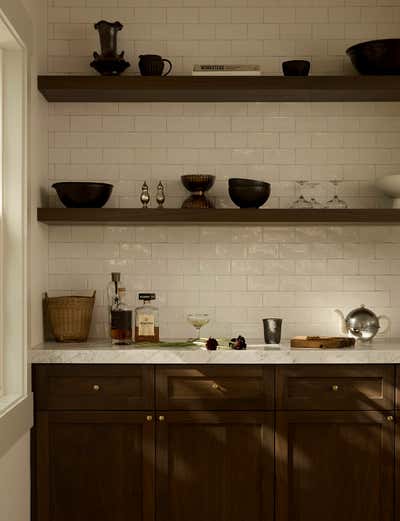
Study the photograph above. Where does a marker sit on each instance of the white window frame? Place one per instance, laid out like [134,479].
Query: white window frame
[13,217]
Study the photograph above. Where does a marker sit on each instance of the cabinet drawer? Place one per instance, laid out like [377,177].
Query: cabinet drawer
[215,388]
[365,387]
[93,387]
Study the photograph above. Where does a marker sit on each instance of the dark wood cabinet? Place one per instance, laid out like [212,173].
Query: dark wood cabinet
[335,387]
[99,387]
[210,442]
[215,466]
[334,466]
[232,388]
[94,466]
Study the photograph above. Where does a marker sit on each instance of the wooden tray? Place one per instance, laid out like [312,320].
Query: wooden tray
[322,342]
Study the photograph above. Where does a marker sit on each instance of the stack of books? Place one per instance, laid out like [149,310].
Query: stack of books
[226,70]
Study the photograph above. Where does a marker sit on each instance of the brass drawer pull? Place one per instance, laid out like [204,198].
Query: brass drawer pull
[390,418]
[161,418]
[216,387]
[96,387]
[149,418]
[335,388]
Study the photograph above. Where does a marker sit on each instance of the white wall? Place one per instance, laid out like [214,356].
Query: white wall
[15,483]
[237,274]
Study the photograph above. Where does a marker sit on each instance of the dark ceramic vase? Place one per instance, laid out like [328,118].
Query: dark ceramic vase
[109,62]
[153,65]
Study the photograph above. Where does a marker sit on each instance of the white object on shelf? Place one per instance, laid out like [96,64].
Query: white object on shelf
[390,186]
[226,70]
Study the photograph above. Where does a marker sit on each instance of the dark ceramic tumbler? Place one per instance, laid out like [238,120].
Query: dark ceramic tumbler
[272,330]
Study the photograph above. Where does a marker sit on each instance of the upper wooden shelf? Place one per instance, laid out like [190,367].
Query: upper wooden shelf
[221,216]
[213,89]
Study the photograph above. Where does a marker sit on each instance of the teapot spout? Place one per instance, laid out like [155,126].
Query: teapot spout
[342,322]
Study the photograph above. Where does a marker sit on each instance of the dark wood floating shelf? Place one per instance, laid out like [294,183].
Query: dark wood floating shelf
[213,89]
[112,216]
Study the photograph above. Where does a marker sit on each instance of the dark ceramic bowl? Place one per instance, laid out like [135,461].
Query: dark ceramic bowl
[296,68]
[198,183]
[379,57]
[248,193]
[83,195]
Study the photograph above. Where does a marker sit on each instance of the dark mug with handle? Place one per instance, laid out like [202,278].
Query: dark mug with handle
[153,65]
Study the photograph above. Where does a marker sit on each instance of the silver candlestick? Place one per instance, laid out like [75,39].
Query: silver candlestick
[160,198]
[145,196]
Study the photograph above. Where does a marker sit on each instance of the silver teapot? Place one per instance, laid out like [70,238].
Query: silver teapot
[362,323]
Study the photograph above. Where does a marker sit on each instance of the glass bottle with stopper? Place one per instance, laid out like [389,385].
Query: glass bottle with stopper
[119,312]
[145,196]
[146,320]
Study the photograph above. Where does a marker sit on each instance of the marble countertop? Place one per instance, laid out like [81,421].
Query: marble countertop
[382,351]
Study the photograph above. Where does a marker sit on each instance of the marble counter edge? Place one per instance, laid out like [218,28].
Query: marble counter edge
[382,352]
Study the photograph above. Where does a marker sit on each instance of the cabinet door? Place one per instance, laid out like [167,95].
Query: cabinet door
[334,466]
[94,466]
[215,466]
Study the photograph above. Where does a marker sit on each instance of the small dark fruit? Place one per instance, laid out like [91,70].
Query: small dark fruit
[212,344]
[238,343]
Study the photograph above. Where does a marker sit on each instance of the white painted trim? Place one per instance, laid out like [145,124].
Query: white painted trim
[16,421]
[18,21]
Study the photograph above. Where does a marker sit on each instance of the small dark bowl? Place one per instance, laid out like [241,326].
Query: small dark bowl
[83,195]
[198,182]
[376,57]
[248,193]
[296,68]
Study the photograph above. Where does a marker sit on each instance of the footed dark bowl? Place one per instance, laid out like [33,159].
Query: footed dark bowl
[376,57]
[198,182]
[82,194]
[249,193]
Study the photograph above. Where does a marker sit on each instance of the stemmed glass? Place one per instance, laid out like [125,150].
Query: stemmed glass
[335,202]
[301,202]
[313,201]
[198,320]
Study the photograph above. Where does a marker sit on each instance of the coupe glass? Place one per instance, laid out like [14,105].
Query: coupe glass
[198,320]
[301,202]
[335,202]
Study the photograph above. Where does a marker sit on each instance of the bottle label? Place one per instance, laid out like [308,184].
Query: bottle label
[121,319]
[146,325]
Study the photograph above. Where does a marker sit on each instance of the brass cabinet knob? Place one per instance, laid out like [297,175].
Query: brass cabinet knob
[149,418]
[335,388]
[161,418]
[96,387]
[215,386]
[390,418]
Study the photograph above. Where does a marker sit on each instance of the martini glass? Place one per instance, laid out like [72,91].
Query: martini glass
[198,320]
[313,186]
[301,202]
[335,202]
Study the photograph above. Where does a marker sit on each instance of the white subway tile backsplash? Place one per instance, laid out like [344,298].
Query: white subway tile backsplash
[240,274]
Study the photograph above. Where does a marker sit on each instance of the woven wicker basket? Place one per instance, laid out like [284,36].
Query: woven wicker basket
[70,317]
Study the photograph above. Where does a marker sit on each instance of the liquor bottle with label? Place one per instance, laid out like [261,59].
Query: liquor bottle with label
[146,320]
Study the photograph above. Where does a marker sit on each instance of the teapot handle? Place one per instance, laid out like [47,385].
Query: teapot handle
[387,325]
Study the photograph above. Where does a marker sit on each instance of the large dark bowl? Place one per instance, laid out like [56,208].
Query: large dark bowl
[376,57]
[83,195]
[248,193]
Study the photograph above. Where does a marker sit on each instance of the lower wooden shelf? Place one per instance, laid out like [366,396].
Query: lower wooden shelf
[140,216]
